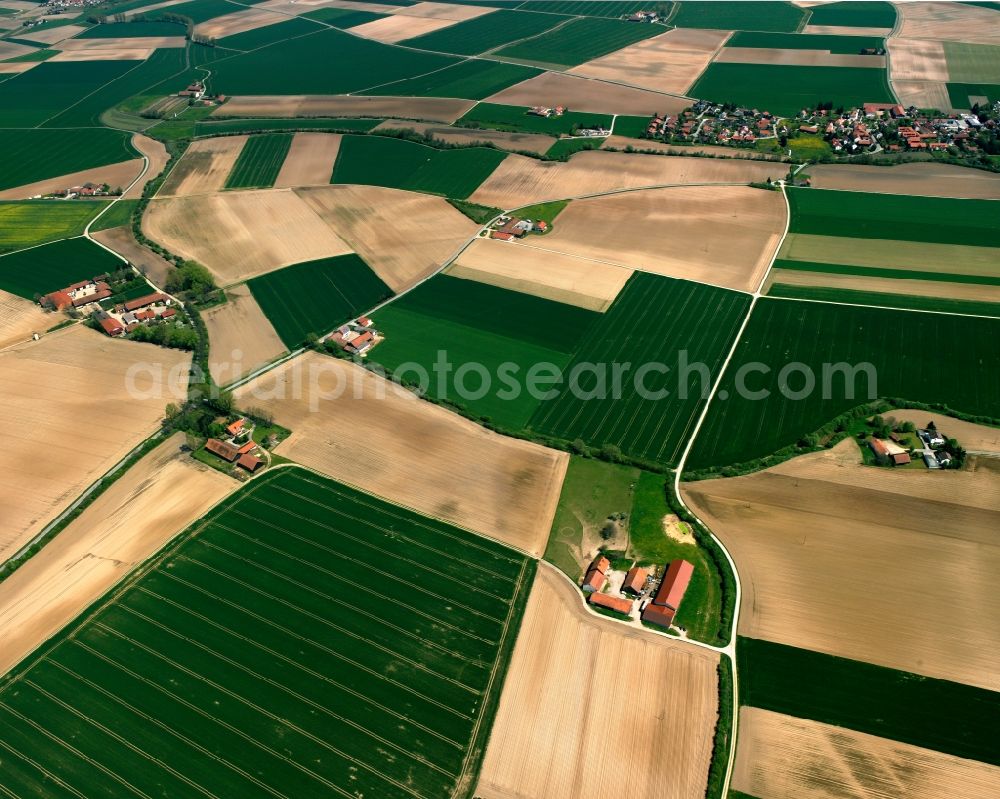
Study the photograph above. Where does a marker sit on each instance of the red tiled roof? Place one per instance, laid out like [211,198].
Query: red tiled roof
[250,463]
[168,313]
[674,584]
[142,302]
[225,451]
[247,447]
[110,326]
[635,580]
[656,614]
[601,563]
[594,580]
[235,427]
[59,299]
[610,602]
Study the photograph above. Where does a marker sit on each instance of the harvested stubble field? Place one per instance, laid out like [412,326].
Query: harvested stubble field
[928,180]
[390,30]
[783,757]
[918,59]
[260,161]
[156,499]
[416,454]
[117,175]
[973,437]
[834,556]
[723,235]
[49,386]
[572,715]
[103,54]
[309,161]
[19,318]
[962,22]
[505,140]
[122,240]
[240,337]
[434,109]
[576,281]
[670,62]
[314,687]
[897,282]
[521,181]
[239,22]
[204,167]
[797,58]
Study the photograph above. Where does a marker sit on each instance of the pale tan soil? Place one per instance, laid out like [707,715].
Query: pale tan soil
[69,416]
[17,67]
[238,235]
[443,11]
[586,284]
[122,241]
[670,62]
[946,259]
[157,154]
[533,142]
[520,181]
[53,35]
[923,94]
[240,337]
[924,179]
[19,318]
[309,161]
[204,168]
[677,530]
[404,236]
[974,437]
[725,235]
[892,567]
[124,43]
[249,19]
[120,174]
[845,30]
[917,59]
[959,22]
[583,94]
[295,7]
[379,437]
[156,499]
[796,58]
[19,5]
[105,54]
[888,285]
[392,29]
[589,702]
[621,142]
[782,757]
[435,109]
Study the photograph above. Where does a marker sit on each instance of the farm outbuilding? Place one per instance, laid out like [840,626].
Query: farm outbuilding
[225,451]
[615,603]
[674,584]
[635,580]
[657,614]
[593,581]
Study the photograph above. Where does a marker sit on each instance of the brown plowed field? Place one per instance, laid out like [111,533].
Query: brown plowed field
[796,58]
[922,94]
[240,337]
[888,285]
[356,427]
[532,142]
[433,109]
[390,30]
[123,43]
[158,156]
[120,174]
[583,94]
[239,22]
[69,416]
[156,499]
[974,437]
[442,11]
[782,757]
[927,179]
[563,278]
[309,161]
[589,702]
[670,62]
[835,557]
[204,167]
[959,22]
[14,50]
[845,30]
[104,54]
[917,59]
[520,181]
[725,235]
[17,67]
[19,318]
[53,35]
[123,242]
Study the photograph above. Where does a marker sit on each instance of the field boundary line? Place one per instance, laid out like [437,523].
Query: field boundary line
[42,769]
[882,307]
[715,54]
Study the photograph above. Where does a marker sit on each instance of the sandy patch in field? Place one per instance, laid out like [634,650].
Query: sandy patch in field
[923,179]
[309,161]
[390,30]
[456,13]
[53,35]
[845,30]
[242,21]
[533,142]
[887,285]
[917,59]
[19,318]
[156,499]
[958,22]
[17,67]
[123,242]
[241,234]
[123,43]
[158,156]
[835,556]
[522,181]
[404,236]
[105,54]
[782,757]
[240,337]
[204,167]
[584,94]
[435,109]
[670,62]
[724,235]
[586,284]
[120,174]
[412,452]
[69,417]
[974,437]
[590,702]
[796,58]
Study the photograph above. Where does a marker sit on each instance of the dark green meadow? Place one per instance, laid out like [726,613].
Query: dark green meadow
[580,40]
[483,33]
[27,156]
[269,34]
[51,267]
[259,161]
[843,45]
[937,714]
[470,79]
[960,93]
[213,128]
[516,118]
[133,28]
[910,352]
[316,296]
[304,639]
[590,8]
[855,13]
[726,15]
[885,300]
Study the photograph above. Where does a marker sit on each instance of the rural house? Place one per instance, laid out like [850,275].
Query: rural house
[635,580]
[596,575]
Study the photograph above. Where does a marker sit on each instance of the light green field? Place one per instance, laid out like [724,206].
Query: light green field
[25,224]
[972,63]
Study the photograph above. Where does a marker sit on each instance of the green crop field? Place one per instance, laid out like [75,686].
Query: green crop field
[204,10]
[209,128]
[133,28]
[342,18]
[316,296]
[866,215]
[580,40]
[760,16]
[120,214]
[972,63]
[648,323]
[908,351]
[876,271]
[516,118]
[856,13]
[304,639]
[844,45]
[591,8]
[783,89]
[51,267]
[965,95]
[937,714]
[27,156]
[401,164]
[259,161]
[470,79]
[884,299]
[31,222]
[485,33]
[269,34]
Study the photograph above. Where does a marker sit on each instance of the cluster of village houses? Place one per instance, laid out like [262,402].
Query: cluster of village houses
[82,191]
[238,447]
[557,111]
[894,452]
[508,228]
[657,606]
[357,337]
[86,296]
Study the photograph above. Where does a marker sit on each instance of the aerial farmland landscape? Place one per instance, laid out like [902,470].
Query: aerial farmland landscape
[500,399]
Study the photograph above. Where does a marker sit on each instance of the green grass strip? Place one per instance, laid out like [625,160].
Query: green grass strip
[260,161]
[885,300]
[877,271]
